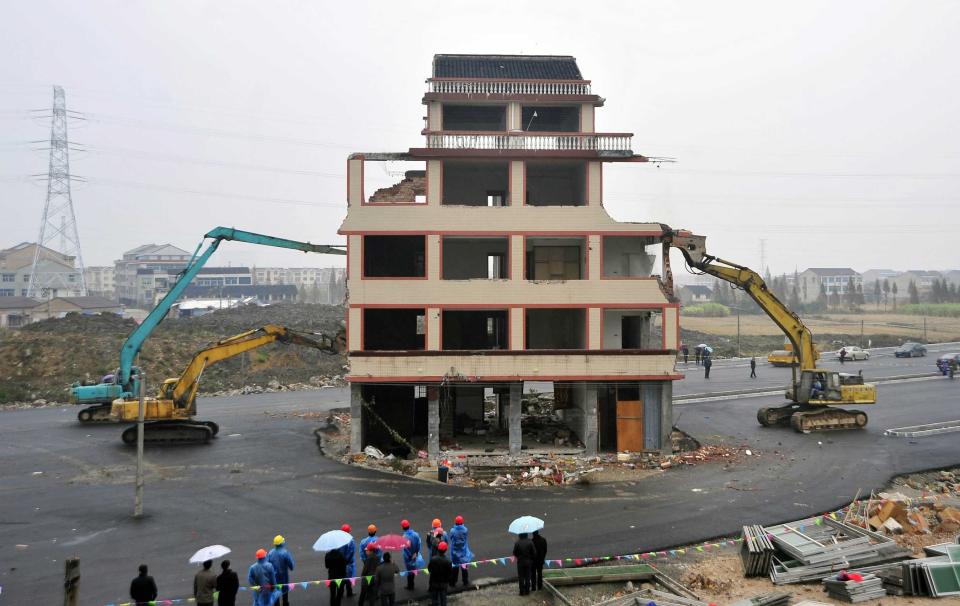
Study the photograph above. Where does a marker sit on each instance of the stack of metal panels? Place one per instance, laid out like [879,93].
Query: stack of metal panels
[765,599]
[870,588]
[662,598]
[818,547]
[756,551]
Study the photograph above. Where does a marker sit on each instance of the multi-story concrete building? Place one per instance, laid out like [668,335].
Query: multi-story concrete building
[494,263]
[16,265]
[314,284]
[100,280]
[144,270]
[835,281]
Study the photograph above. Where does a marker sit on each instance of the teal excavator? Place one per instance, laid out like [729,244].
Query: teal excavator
[125,381]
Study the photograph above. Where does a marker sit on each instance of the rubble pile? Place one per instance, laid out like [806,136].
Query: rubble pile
[274,386]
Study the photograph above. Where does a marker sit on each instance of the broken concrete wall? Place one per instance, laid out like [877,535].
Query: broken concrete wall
[627,256]
[414,184]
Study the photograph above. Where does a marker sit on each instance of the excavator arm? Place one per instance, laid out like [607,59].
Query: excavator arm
[693,248]
[184,391]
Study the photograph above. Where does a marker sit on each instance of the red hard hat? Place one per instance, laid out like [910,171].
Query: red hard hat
[404,524]
[371,546]
[436,522]
[345,528]
[261,553]
[458,520]
[442,546]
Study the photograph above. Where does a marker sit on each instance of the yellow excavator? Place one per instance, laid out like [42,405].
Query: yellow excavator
[785,356]
[170,415]
[816,392]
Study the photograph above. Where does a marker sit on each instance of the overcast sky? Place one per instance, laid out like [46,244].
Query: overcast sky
[829,129]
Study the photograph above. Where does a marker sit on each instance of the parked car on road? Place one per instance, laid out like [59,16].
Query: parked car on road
[855,353]
[910,350]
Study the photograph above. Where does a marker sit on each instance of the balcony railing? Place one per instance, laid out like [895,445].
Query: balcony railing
[613,142]
[508,87]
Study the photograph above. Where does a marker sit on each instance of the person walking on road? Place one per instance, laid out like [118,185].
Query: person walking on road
[460,553]
[384,581]
[843,355]
[436,536]
[204,584]
[411,553]
[262,576]
[707,363]
[536,582]
[753,367]
[349,552]
[697,352]
[143,588]
[440,571]
[686,353]
[228,584]
[282,563]
[526,554]
[368,591]
[336,566]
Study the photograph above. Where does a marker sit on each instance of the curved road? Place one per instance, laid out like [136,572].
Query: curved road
[67,490]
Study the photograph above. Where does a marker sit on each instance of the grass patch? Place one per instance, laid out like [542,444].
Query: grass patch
[939,310]
[706,310]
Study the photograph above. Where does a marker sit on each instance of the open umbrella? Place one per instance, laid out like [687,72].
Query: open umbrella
[392,542]
[702,345]
[332,540]
[525,524]
[211,552]
[708,349]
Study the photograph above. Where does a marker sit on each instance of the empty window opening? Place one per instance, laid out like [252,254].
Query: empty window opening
[554,119]
[475,258]
[395,182]
[556,183]
[556,328]
[632,329]
[394,256]
[475,183]
[628,256]
[474,329]
[394,329]
[555,258]
[475,117]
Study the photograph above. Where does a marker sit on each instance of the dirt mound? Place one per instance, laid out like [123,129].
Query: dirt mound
[42,359]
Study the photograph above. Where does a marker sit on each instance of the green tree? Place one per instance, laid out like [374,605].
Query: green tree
[877,289]
[913,292]
[893,290]
[886,293]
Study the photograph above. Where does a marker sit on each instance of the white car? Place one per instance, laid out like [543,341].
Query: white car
[855,353]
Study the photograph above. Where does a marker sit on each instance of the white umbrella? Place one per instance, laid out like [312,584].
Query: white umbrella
[525,524]
[332,540]
[702,345]
[211,552]
[708,349]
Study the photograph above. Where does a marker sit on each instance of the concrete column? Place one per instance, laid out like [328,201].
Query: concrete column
[433,421]
[356,418]
[515,432]
[666,416]
[591,438]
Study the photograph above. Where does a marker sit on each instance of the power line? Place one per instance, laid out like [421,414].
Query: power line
[214,194]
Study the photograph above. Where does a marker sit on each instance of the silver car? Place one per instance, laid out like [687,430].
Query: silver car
[855,353]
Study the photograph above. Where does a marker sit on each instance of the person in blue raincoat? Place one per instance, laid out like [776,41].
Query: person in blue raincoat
[459,551]
[262,575]
[411,554]
[282,563]
[371,538]
[349,552]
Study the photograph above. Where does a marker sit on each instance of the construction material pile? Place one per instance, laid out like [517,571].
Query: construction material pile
[756,551]
[854,587]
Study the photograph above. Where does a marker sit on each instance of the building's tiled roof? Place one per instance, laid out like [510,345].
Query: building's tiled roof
[833,271]
[241,290]
[224,270]
[90,302]
[520,67]
[924,273]
[18,303]
[697,289]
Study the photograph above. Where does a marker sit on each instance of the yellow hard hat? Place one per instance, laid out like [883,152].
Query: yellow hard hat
[279,540]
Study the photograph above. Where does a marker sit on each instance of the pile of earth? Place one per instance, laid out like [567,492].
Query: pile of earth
[41,360]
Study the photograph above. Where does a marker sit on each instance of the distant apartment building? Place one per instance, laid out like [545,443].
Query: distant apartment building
[833,280]
[695,293]
[100,280]
[16,265]
[314,284]
[144,270]
[922,278]
[494,263]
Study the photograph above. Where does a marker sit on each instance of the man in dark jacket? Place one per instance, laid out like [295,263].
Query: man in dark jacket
[228,584]
[440,570]
[143,589]
[336,569]
[383,579]
[526,555]
[368,591]
[540,543]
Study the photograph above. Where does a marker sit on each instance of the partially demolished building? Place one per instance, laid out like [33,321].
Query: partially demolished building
[493,263]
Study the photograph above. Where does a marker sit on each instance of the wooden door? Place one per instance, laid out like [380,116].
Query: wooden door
[630,425]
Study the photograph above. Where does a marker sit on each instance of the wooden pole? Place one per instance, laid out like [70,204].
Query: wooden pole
[71,582]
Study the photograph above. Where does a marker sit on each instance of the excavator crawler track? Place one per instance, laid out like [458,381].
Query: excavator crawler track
[171,432]
[827,419]
[95,414]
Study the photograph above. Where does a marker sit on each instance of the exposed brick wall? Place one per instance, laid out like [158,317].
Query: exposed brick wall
[414,184]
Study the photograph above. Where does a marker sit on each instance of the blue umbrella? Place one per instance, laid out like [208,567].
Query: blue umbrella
[525,524]
[332,540]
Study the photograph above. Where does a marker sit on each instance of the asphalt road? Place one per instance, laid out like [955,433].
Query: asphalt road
[68,490]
